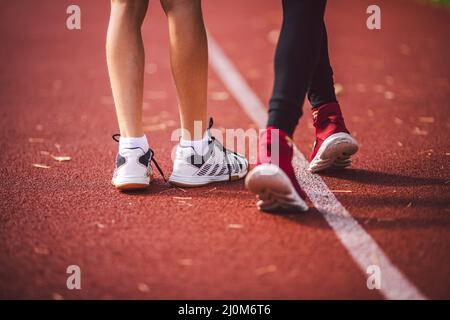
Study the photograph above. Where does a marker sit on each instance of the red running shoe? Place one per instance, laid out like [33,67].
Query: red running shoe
[273,179]
[334,145]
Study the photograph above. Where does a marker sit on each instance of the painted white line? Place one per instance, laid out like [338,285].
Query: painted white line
[234,82]
[361,246]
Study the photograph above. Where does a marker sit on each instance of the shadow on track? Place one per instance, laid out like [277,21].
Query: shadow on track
[155,187]
[382,178]
[218,189]
[314,219]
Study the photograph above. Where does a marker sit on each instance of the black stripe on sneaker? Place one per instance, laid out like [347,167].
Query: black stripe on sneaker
[196,160]
[213,171]
[120,161]
[145,159]
[221,171]
[236,168]
[204,170]
[239,160]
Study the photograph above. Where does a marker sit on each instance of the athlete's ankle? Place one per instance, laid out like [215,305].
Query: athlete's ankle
[133,142]
[200,146]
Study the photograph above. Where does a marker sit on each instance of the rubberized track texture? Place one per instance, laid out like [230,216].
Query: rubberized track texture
[390,209]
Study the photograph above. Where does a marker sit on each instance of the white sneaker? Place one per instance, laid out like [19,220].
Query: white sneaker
[133,169]
[191,169]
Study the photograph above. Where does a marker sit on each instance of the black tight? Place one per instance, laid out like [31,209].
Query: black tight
[302,64]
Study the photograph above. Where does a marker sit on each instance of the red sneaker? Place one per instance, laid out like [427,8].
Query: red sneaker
[334,145]
[273,179]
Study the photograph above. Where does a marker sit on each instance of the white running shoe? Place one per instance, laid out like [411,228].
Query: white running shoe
[133,169]
[191,169]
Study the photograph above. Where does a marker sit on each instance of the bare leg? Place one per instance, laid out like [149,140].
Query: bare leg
[125,58]
[189,60]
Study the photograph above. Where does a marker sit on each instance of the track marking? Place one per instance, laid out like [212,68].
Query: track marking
[361,246]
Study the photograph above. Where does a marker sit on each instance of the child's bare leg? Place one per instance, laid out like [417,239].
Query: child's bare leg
[189,60]
[125,58]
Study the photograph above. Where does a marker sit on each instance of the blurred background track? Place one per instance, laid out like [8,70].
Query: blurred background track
[211,242]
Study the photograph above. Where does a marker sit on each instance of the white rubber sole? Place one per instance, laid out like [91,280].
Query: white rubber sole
[198,181]
[273,188]
[335,152]
[131,183]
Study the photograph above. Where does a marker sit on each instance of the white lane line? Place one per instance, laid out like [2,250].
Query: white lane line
[234,82]
[361,246]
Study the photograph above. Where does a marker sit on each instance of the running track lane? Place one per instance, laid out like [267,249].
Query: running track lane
[398,189]
[359,244]
[151,245]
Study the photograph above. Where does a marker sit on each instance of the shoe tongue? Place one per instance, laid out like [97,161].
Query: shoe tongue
[273,135]
[274,132]
[326,113]
[274,140]
[208,135]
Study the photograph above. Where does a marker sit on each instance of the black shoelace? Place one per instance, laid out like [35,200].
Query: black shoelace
[225,151]
[116,137]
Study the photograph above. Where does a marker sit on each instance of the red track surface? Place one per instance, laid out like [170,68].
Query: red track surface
[54,86]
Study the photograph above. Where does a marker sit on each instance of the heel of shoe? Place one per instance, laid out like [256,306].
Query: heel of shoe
[335,152]
[274,189]
[131,183]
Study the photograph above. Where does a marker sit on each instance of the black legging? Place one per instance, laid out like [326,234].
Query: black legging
[302,64]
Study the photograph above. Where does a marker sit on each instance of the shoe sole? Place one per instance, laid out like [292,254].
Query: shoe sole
[335,152]
[273,189]
[131,184]
[196,181]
